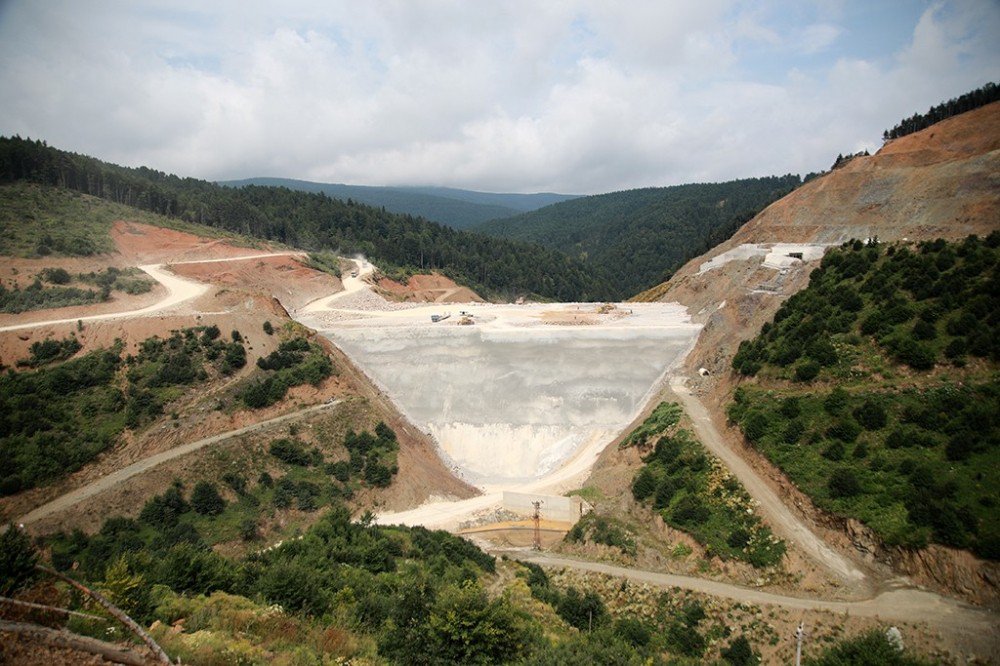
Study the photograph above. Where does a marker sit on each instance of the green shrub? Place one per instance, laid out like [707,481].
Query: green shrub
[690,510]
[807,371]
[291,451]
[868,649]
[583,611]
[740,653]
[871,415]
[834,451]
[843,483]
[755,425]
[205,499]
[846,430]
[17,559]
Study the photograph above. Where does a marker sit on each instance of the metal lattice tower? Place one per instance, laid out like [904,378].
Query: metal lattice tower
[537,544]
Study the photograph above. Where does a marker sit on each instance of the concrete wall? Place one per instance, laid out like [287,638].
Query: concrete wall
[554,507]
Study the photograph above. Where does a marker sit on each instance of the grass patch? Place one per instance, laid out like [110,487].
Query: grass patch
[587,493]
[41,220]
[604,530]
[326,262]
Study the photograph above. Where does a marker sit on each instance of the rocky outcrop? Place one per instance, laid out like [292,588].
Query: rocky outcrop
[953,570]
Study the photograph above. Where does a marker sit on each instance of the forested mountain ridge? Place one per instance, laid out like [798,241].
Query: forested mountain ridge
[314,221]
[641,236]
[974,99]
[456,208]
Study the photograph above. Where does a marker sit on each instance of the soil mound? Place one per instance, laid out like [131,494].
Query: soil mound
[431,288]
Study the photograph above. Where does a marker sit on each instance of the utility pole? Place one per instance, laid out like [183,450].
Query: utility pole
[537,545]
[798,644]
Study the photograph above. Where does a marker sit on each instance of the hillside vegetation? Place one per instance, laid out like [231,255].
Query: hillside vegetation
[351,591]
[693,492]
[49,288]
[877,391]
[640,237]
[55,419]
[313,221]
[459,209]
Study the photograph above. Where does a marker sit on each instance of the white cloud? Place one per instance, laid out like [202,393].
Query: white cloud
[568,96]
[818,37]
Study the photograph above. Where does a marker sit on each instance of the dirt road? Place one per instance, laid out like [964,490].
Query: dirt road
[179,290]
[779,516]
[351,284]
[901,605]
[113,479]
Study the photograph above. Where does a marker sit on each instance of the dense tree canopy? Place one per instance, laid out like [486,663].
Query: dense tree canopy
[891,416]
[988,94]
[639,237]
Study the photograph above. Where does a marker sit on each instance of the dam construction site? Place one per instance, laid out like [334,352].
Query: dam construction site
[320,431]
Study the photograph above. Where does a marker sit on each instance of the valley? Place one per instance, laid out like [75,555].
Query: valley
[270,412]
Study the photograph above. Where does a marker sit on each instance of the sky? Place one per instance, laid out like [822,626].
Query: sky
[571,96]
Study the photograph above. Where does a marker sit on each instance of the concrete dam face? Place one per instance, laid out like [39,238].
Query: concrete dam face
[514,402]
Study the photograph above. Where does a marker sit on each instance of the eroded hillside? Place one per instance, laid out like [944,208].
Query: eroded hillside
[942,182]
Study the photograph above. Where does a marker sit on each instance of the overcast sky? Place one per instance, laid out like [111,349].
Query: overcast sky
[570,96]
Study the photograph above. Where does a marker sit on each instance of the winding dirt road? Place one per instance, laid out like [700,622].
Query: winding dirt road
[901,605]
[179,290]
[107,482]
[778,515]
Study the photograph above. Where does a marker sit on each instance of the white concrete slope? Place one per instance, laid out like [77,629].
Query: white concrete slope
[520,391]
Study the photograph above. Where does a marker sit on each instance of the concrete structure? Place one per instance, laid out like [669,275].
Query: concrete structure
[553,507]
[517,401]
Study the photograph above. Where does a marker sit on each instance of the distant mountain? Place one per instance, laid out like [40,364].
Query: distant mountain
[459,209]
[642,236]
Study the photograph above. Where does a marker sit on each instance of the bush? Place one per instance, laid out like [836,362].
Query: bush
[871,415]
[584,612]
[755,425]
[290,451]
[690,510]
[836,401]
[268,328]
[807,371]
[17,560]
[633,631]
[843,483]
[56,275]
[340,470]
[791,407]
[248,529]
[869,649]
[740,653]
[834,451]
[915,354]
[205,499]
[846,430]
[793,431]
